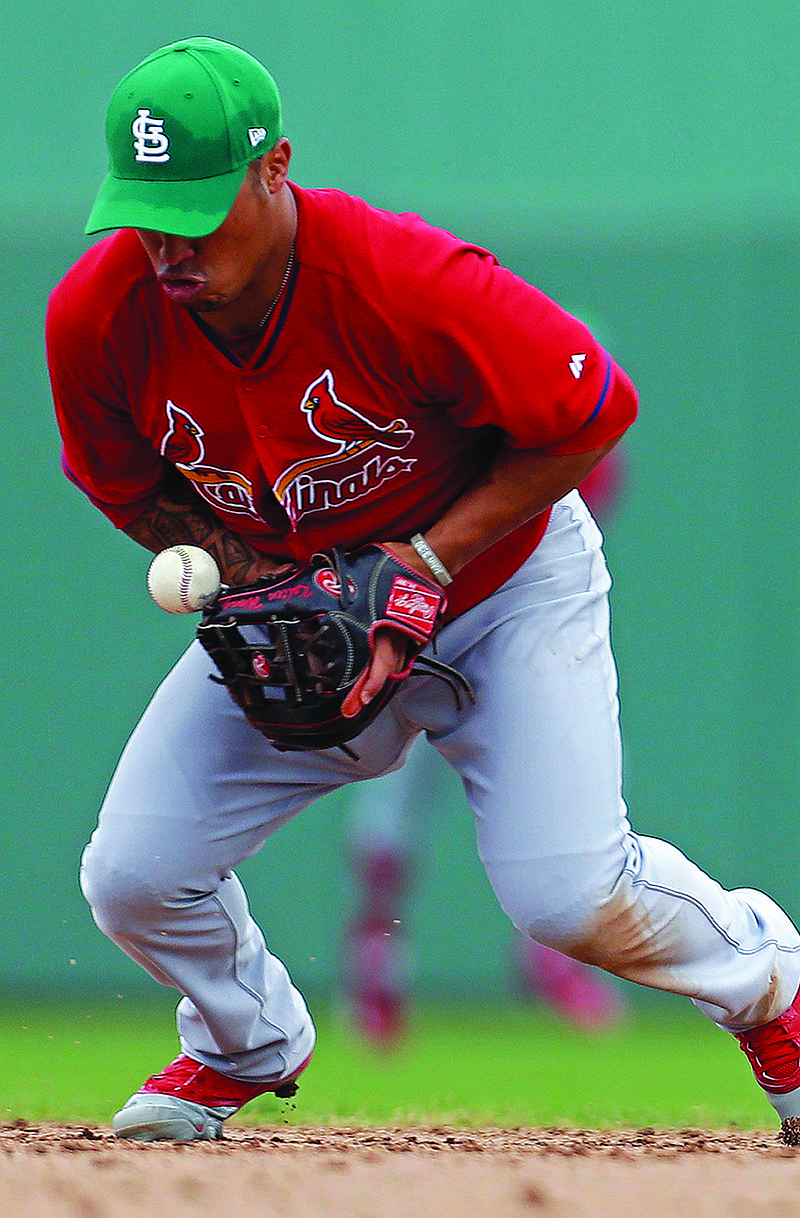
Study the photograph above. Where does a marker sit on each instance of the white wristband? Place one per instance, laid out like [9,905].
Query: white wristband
[431,560]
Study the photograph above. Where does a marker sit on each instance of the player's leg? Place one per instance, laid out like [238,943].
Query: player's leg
[540,757]
[196,791]
[387,828]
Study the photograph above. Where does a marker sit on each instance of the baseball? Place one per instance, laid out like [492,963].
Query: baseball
[183,579]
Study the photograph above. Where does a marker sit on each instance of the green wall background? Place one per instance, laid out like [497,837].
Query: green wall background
[638,161]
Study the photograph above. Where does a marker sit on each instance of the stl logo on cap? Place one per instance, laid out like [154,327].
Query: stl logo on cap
[150,142]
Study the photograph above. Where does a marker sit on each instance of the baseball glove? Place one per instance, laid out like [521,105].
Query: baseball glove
[290,648]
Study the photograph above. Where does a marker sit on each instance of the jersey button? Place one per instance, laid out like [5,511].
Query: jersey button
[263,433]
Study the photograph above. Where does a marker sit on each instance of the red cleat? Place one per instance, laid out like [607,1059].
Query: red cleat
[188,1102]
[773,1050]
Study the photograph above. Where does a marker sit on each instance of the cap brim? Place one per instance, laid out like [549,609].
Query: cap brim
[185,209]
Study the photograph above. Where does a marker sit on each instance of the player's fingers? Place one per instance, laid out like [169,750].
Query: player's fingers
[388,658]
[353,702]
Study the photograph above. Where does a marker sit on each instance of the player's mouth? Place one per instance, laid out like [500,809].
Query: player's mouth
[183,289]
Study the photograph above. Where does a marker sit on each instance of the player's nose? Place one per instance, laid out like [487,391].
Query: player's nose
[174,250]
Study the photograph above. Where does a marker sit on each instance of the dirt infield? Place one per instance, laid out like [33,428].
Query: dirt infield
[81,1172]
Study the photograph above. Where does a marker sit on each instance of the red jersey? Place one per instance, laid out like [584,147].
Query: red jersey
[397,362]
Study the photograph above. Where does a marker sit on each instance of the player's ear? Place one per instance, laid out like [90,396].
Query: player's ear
[275,165]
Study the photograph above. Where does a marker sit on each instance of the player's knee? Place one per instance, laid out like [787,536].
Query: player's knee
[621,934]
[603,923]
[120,895]
[557,906]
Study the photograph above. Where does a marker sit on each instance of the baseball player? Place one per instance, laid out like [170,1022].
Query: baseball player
[268,371]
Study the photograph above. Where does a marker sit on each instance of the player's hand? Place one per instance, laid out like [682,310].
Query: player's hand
[389,658]
[391,651]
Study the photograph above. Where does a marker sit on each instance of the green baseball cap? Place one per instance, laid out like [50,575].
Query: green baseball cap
[181,130]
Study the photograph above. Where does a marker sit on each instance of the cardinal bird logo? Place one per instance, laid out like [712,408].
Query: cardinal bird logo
[331,419]
[184,445]
[308,485]
[183,442]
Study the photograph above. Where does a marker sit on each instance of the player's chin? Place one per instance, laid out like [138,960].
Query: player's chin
[210,304]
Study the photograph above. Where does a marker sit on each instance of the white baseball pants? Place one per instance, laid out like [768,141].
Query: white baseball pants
[197,790]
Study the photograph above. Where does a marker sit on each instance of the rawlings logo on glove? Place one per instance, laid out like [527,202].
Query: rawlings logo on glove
[290,650]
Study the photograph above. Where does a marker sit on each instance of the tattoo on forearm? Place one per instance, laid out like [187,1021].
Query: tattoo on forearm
[176,517]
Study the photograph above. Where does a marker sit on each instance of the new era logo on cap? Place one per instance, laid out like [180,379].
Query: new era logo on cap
[257,135]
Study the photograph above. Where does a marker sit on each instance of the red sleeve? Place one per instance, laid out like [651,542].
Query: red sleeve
[102,451]
[613,414]
[502,353]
